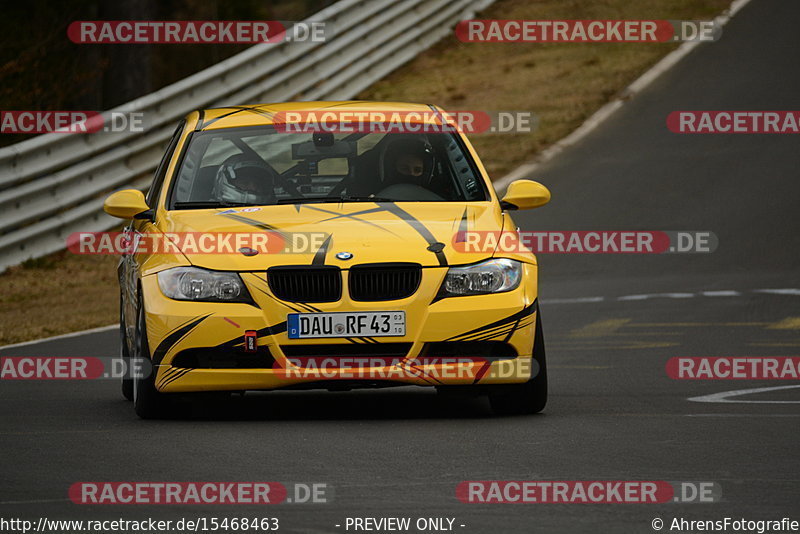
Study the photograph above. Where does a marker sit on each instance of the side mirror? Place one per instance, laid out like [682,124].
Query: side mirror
[126,204]
[525,195]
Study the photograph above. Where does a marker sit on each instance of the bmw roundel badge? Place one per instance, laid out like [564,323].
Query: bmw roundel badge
[344,255]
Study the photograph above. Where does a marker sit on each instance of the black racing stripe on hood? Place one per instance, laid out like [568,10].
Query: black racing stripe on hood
[418,226]
[353,216]
[175,336]
[251,222]
[525,312]
[319,257]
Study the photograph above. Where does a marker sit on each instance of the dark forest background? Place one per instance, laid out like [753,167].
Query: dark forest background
[41,69]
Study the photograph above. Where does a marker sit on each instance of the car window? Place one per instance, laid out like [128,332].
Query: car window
[218,150]
[260,166]
[161,171]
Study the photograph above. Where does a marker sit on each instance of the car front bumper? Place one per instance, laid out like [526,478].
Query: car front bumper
[199,346]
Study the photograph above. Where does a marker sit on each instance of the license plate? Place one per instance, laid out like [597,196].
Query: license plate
[346,324]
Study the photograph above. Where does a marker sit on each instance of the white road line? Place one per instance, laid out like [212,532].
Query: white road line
[778,291]
[673,295]
[725,396]
[62,336]
[658,295]
[572,301]
[528,169]
[759,415]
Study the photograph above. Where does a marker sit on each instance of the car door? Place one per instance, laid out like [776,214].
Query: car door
[129,264]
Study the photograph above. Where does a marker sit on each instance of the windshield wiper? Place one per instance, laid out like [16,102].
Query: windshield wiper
[331,200]
[299,200]
[354,198]
[210,204]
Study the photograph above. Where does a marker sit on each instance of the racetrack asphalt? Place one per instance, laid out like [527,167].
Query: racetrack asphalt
[611,323]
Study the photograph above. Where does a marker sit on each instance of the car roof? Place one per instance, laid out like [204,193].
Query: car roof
[264,114]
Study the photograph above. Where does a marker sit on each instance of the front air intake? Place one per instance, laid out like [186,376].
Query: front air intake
[384,281]
[305,283]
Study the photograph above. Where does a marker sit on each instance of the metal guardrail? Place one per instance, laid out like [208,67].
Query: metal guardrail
[54,184]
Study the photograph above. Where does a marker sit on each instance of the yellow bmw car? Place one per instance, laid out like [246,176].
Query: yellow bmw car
[276,255]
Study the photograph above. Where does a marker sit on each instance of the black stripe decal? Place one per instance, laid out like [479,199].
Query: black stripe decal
[305,306]
[419,227]
[511,332]
[236,109]
[168,373]
[353,216]
[239,109]
[175,377]
[463,225]
[276,300]
[525,312]
[173,338]
[266,331]
[257,224]
[498,331]
[319,257]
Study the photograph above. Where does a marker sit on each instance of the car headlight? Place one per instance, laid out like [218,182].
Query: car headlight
[193,283]
[492,276]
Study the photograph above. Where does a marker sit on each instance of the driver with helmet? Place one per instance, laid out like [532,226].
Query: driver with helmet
[243,180]
[407,161]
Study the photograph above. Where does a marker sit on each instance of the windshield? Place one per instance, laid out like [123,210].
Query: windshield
[259,166]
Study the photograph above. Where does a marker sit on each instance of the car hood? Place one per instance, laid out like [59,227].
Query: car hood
[418,232]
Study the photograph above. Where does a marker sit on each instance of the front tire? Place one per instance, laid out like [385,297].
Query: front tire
[124,353]
[531,396]
[148,402]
